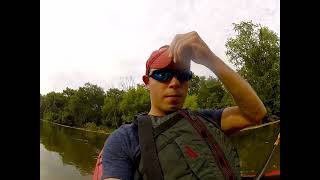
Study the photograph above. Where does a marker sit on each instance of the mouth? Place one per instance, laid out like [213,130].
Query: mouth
[173,95]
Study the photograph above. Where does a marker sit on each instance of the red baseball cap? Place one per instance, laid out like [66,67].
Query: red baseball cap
[158,59]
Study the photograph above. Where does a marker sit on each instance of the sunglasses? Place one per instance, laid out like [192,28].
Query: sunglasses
[164,75]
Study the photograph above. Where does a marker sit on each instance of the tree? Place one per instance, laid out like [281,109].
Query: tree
[194,85]
[41,107]
[136,100]
[227,100]
[86,104]
[191,102]
[67,117]
[210,93]
[53,105]
[111,114]
[127,82]
[255,51]
[69,92]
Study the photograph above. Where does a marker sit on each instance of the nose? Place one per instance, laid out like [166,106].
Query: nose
[174,83]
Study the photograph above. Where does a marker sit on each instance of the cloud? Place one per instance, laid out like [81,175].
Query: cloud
[102,41]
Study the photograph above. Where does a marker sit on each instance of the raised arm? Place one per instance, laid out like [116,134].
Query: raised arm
[249,110]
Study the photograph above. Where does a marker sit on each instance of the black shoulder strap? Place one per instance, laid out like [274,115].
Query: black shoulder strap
[135,119]
[167,124]
[137,173]
[148,149]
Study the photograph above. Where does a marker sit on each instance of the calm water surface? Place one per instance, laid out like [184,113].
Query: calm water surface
[67,153]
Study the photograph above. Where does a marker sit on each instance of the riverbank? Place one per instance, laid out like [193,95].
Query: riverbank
[107,132]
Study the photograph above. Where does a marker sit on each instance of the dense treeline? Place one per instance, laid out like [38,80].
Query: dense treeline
[255,51]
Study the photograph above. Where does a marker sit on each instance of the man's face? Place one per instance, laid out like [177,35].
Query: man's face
[167,96]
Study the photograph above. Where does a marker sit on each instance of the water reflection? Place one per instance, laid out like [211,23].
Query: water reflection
[68,153]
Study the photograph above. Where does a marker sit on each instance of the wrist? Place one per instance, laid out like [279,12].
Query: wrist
[211,60]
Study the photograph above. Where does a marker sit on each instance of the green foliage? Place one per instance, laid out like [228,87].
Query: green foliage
[194,85]
[69,92]
[227,100]
[111,114]
[191,102]
[255,51]
[91,126]
[41,107]
[210,93]
[52,106]
[67,117]
[134,101]
[86,104]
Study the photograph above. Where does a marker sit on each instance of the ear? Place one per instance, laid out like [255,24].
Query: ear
[145,79]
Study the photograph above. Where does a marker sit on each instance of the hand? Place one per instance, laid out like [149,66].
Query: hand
[189,46]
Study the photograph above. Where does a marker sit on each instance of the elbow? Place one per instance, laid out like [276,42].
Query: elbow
[259,115]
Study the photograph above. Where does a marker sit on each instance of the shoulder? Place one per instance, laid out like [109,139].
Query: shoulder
[124,132]
[119,152]
[213,115]
[123,139]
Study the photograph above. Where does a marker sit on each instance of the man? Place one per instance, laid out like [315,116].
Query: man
[166,78]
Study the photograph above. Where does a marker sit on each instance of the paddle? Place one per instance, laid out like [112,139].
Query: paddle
[259,175]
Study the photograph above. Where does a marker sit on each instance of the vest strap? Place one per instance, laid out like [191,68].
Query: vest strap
[167,124]
[212,144]
[149,155]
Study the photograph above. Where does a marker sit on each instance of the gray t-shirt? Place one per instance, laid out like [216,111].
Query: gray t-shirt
[121,148]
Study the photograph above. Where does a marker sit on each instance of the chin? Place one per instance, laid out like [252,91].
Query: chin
[173,108]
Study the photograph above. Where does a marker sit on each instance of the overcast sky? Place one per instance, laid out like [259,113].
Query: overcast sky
[105,41]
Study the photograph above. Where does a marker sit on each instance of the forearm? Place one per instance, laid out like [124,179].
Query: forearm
[244,96]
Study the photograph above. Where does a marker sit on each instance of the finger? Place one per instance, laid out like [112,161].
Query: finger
[183,48]
[176,52]
[192,33]
[177,45]
[172,45]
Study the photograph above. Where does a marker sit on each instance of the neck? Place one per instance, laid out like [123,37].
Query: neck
[156,112]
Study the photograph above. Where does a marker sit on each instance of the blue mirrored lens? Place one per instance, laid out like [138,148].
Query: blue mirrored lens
[184,76]
[162,76]
[167,74]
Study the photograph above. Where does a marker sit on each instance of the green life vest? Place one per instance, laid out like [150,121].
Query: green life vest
[184,145]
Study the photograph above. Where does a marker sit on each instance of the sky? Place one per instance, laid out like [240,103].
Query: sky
[106,42]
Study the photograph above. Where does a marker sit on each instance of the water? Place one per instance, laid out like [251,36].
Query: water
[67,153]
